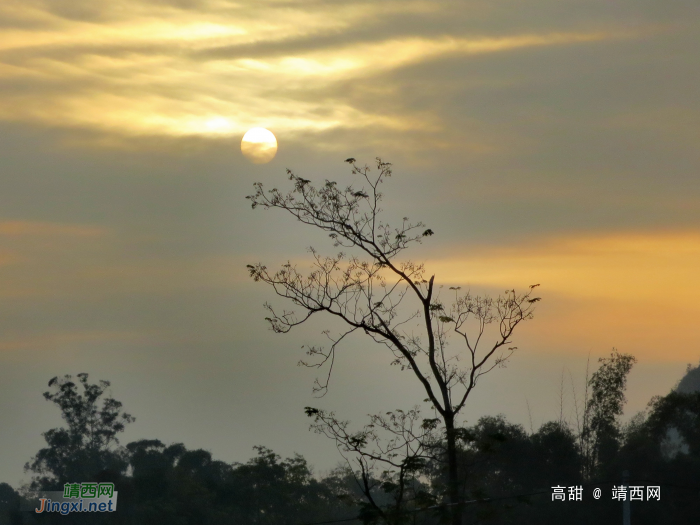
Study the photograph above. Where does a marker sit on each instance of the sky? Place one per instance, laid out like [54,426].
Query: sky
[543,142]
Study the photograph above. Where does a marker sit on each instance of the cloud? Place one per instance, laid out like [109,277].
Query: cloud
[67,340]
[645,266]
[633,290]
[174,68]
[17,228]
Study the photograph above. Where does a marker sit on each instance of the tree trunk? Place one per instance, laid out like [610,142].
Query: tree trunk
[452,474]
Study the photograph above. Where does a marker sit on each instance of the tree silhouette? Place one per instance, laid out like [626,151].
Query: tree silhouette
[9,506]
[88,445]
[601,431]
[391,452]
[390,300]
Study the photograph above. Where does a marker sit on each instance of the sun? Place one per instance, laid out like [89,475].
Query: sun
[259,145]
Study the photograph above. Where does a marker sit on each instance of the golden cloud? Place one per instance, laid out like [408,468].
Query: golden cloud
[17,228]
[650,265]
[637,291]
[144,68]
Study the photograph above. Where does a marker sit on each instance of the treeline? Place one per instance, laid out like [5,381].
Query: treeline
[507,473]
[171,485]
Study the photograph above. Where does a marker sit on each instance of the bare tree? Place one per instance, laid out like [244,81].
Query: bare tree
[386,458]
[374,292]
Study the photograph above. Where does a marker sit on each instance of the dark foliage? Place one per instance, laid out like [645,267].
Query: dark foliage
[507,474]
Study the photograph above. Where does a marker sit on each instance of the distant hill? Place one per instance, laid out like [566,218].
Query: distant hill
[690,382]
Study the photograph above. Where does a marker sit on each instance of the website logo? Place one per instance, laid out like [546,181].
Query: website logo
[79,497]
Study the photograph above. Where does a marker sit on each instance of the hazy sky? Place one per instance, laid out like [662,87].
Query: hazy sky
[543,141]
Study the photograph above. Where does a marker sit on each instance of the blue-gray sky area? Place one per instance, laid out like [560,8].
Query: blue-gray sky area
[543,142]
